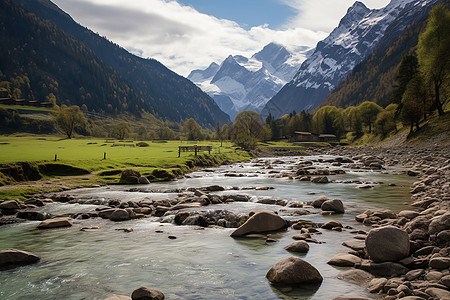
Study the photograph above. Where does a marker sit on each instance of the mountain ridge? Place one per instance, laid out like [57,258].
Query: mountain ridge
[242,83]
[353,40]
[157,89]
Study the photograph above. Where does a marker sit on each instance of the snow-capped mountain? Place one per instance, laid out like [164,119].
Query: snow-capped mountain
[356,36]
[242,83]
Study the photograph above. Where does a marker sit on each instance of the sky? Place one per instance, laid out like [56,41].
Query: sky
[190,34]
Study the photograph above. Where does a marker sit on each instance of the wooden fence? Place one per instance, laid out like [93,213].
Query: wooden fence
[194,148]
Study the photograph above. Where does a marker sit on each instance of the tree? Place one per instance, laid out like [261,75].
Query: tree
[226,132]
[68,118]
[351,120]
[247,129]
[433,52]
[413,108]
[165,133]
[219,133]
[121,130]
[409,67]
[385,122]
[191,130]
[52,99]
[328,120]
[17,93]
[369,111]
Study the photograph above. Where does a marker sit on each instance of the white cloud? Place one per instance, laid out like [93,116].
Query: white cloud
[184,39]
[323,15]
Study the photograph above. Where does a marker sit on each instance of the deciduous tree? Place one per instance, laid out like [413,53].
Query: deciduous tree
[369,111]
[247,129]
[68,118]
[433,52]
[121,130]
[191,130]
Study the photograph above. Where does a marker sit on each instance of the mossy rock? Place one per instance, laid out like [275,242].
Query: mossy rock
[129,176]
[61,170]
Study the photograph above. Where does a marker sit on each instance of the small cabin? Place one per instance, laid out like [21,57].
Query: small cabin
[302,136]
[328,138]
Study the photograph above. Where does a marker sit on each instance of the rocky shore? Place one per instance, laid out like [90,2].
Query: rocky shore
[407,254]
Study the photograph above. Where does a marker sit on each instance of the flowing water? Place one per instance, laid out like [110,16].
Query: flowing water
[199,263]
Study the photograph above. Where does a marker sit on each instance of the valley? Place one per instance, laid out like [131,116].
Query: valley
[186,150]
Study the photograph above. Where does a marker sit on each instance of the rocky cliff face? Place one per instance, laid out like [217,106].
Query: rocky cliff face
[355,38]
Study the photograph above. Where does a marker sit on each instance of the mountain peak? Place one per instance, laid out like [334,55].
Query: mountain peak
[354,14]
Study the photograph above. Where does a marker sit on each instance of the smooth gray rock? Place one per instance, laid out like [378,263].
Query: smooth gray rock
[119,215]
[387,244]
[317,203]
[439,223]
[440,263]
[55,223]
[298,246]
[344,260]
[335,205]
[356,276]
[293,271]
[260,222]
[145,293]
[14,257]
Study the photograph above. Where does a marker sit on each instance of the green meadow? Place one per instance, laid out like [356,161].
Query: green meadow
[158,161]
[89,153]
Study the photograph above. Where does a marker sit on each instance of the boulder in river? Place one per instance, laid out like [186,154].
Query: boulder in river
[293,271]
[260,222]
[356,276]
[33,215]
[317,203]
[145,293]
[331,225]
[387,244]
[10,207]
[334,205]
[119,215]
[118,297]
[14,257]
[320,179]
[54,223]
[298,246]
[344,260]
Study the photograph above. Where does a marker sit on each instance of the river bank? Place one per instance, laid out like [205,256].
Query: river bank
[228,202]
[425,273]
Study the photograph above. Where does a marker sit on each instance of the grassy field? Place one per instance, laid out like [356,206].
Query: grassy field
[88,155]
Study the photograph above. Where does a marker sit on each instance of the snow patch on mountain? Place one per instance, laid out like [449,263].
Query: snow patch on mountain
[356,36]
[242,83]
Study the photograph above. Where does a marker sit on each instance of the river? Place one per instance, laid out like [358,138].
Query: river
[199,263]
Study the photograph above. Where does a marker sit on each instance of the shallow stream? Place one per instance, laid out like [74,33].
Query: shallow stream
[199,263]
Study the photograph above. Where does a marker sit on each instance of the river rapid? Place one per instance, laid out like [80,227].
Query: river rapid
[200,263]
